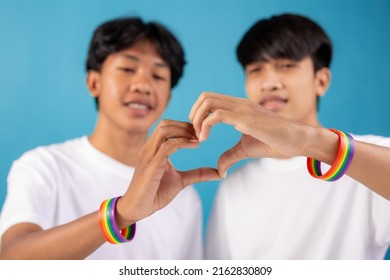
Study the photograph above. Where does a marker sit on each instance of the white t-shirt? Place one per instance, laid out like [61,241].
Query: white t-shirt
[57,184]
[273,209]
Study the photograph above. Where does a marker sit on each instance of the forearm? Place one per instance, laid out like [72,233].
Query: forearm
[75,240]
[370,165]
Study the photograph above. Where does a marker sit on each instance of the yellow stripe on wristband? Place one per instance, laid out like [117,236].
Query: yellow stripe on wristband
[343,160]
[108,224]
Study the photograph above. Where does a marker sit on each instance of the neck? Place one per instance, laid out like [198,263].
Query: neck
[120,145]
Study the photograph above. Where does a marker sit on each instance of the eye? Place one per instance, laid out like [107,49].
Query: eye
[159,77]
[287,65]
[127,69]
[253,70]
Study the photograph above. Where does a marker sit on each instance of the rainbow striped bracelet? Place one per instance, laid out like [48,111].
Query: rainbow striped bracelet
[343,159]
[108,224]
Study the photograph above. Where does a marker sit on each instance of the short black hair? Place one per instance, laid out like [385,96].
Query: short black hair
[285,36]
[119,34]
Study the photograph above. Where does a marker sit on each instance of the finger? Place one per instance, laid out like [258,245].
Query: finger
[230,157]
[198,102]
[200,110]
[209,109]
[199,175]
[206,104]
[219,116]
[167,130]
[156,166]
[208,95]
[166,124]
[172,145]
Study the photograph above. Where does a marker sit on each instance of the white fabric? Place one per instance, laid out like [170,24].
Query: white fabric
[273,209]
[56,184]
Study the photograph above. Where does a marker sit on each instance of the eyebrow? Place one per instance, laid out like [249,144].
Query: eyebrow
[136,59]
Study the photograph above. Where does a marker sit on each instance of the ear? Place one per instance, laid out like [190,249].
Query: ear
[322,81]
[93,83]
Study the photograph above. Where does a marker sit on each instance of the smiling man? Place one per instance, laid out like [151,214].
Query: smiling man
[54,192]
[272,208]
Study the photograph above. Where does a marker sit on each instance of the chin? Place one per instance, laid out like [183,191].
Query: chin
[137,130]
[137,127]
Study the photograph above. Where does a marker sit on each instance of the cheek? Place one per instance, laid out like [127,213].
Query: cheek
[251,92]
[163,98]
[111,86]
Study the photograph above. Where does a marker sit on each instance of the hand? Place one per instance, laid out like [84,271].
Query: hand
[246,147]
[156,181]
[264,133]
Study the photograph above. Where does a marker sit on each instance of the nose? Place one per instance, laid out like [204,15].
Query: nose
[270,80]
[140,83]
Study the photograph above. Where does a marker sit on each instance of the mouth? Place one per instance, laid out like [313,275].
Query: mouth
[273,103]
[138,108]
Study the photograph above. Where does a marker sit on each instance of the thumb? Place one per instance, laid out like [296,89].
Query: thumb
[199,175]
[230,157]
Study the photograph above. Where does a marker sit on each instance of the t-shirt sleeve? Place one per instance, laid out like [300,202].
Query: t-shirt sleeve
[30,192]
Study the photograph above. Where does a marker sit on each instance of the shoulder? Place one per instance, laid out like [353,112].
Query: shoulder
[42,151]
[48,155]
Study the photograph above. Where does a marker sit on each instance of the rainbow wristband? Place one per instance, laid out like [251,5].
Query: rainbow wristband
[108,224]
[343,159]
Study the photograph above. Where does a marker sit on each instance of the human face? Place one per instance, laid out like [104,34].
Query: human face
[133,88]
[289,88]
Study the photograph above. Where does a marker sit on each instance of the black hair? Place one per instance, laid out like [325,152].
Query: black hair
[122,33]
[285,36]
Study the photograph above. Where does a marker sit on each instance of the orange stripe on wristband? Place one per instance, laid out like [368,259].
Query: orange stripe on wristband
[108,224]
[342,162]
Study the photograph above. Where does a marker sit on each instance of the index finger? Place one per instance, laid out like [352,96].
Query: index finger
[198,103]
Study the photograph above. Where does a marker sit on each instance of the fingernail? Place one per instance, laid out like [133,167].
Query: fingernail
[224,175]
[200,137]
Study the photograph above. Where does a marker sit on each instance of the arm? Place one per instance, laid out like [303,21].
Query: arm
[75,240]
[266,134]
[155,183]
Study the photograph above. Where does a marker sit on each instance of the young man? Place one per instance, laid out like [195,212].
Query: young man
[271,208]
[54,192]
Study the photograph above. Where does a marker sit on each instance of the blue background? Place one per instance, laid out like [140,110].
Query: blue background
[43,46]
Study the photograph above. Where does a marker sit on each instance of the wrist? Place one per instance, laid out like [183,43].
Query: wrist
[111,231]
[322,145]
[124,216]
[344,156]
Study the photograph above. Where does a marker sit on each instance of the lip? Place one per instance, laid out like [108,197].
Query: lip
[273,103]
[138,108]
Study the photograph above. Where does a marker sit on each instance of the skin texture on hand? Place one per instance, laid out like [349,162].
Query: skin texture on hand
[264,133]
[154,184]
[156,181]
[267,134]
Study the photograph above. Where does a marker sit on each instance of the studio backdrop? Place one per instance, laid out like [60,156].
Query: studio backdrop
[43,47]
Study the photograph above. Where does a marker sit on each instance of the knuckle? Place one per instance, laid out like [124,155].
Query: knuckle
[160,130]
[164,122]
[205,95]
[165,147]
[217,114]
[189,126]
